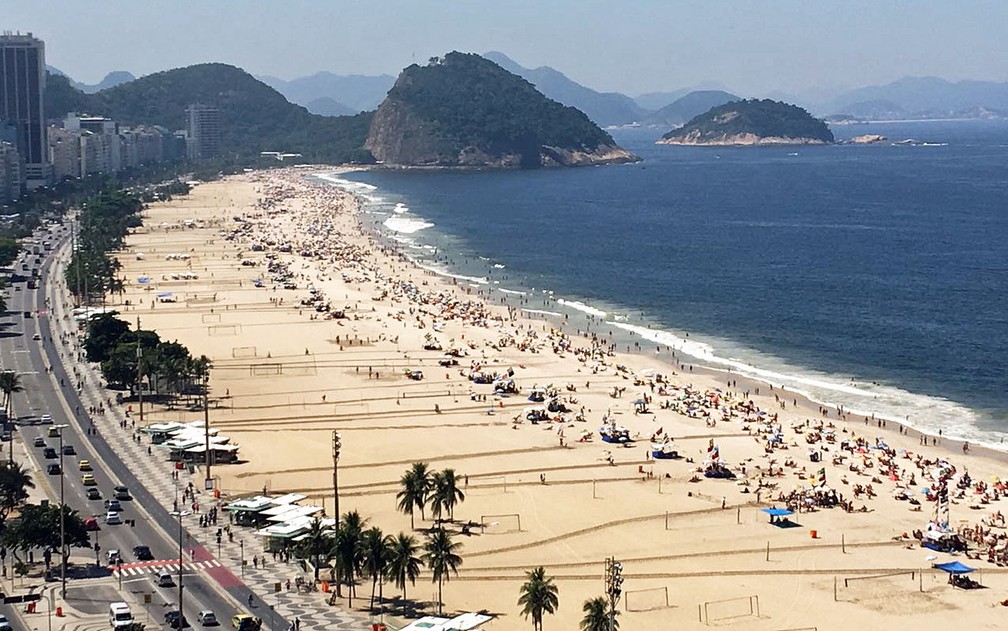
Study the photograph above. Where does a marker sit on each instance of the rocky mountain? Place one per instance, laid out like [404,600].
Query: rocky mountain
[465,110]
[253,116]
[358,93]
[687,106]
[751,122]
[604,108]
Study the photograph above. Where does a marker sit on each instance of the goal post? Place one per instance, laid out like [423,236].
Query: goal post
[728,608]
[224,329]
[646,599]
[243,352]
[500,524]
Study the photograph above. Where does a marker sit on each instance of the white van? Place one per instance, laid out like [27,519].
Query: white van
[164,578]
[120,615]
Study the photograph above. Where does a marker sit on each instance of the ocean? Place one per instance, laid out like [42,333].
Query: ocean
[869,276]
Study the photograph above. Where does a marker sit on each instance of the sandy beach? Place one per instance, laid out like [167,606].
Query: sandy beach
[240,258]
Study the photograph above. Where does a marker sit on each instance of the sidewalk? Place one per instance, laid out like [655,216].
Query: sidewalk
[156,475]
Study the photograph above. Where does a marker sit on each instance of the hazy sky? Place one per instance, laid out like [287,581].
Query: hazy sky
[630,46]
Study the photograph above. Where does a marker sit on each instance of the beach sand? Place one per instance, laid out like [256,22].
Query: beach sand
[284,380]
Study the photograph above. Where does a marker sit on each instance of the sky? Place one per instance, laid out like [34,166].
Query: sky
[629,46]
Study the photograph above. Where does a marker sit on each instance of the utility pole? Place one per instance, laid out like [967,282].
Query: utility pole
[63,559]
[73,253]
[139,371]
[208,483]
[180,559]
[336,445]
[614,587]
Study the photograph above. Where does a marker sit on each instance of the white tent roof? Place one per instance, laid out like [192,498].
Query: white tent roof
[290,498]
[466,621]
[295,513]
[254,504]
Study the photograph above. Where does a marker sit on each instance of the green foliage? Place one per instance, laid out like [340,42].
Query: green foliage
[38,527]
[445,494]
[441,556]
[415,486]
[465,102]
[105,331]
[404,561]
[597,613]
[9,249]
[764,118]
[253,116]
[14,484]
[10,382]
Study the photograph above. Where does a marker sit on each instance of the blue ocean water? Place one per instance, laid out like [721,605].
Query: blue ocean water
[874,276]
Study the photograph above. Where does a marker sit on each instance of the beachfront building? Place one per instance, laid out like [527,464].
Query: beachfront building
[64,153]
[10,173]
[87,145]
[202,131]
[22,87]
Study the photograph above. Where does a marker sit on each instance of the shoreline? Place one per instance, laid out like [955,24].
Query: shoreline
[590,315]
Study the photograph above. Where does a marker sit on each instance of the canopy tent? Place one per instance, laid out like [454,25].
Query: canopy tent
[778,512]
[955,567]
[289,498]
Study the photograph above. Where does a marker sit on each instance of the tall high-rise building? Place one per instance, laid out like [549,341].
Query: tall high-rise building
[22,85]
[202,131]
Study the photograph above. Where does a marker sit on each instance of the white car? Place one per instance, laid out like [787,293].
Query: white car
[5,624]
[207,618]
[46,419]
[112,518]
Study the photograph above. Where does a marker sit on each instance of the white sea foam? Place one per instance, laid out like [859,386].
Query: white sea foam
[928,413]
[580,306]
[442,272]
[542,311]
[348,185]
[513,291]
[406,225]
[499,266]
[400,208]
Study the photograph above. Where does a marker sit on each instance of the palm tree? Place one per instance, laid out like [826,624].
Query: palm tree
[408,495]
[446,493]
[374,558]
[10,382]
[597,615]
[403,563]
[316,544]
[538,596]
[346,552]
[441,556]
[420,476]
[14,484]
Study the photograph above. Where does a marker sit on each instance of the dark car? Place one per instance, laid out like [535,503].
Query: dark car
[39,441]
[143,553]
[49,452]
[54,469]
[93,493]
[175,619]
[113,504]
[68,450]
[122,493]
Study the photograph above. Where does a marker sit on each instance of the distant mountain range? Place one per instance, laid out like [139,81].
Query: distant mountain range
[922,97]
[688,106]
[325,92]
[111,80]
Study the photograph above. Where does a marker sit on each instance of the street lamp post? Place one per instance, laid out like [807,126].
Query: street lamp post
[179,505]
[139,371]
[614,587]
[336,446]
[207,483]
[63,559]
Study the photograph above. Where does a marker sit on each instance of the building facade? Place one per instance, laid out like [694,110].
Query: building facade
[202,131]
[22,87]
[10,173]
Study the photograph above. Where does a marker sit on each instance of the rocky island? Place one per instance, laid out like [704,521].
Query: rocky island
[462,110]
[751,122]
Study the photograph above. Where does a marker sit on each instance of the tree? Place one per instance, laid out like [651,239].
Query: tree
[38,527]
[538,596]
[105,332]
[317,543]
[446,494]
[404,562]
[14,484]
[9,250]
[374,558]
[441,556]
[10,383]
[414,488]
[596,616]
[346,552]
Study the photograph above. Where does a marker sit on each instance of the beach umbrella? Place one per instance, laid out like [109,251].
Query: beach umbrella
[143,280]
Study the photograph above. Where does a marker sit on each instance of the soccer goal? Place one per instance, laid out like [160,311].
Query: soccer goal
[211,318]
[224,329]
[488,485]
[501,524]
[262,370]
[729,608]
[646,599]
[873,586]
[243,352]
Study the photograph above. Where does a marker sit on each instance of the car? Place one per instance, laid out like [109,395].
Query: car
[112,518]
[5,435]
[114,557]
[93,493]
[113,505]
[54,469]
[175,619]
[122,493]
[45,420]
[245,622]
[68,450]
[5,624]
[39,441]
[49,452]
[36,337]
[91,523]
[143,553]
[88,479]
[207,618]
[84,465]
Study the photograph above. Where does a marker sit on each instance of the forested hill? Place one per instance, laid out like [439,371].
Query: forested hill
[751,122]
[254,117]
[464,110]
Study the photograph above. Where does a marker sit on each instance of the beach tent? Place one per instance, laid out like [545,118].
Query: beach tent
[143,280]
[955,567]
[777,512]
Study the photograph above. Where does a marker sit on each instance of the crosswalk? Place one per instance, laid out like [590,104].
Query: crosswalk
[149,567]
